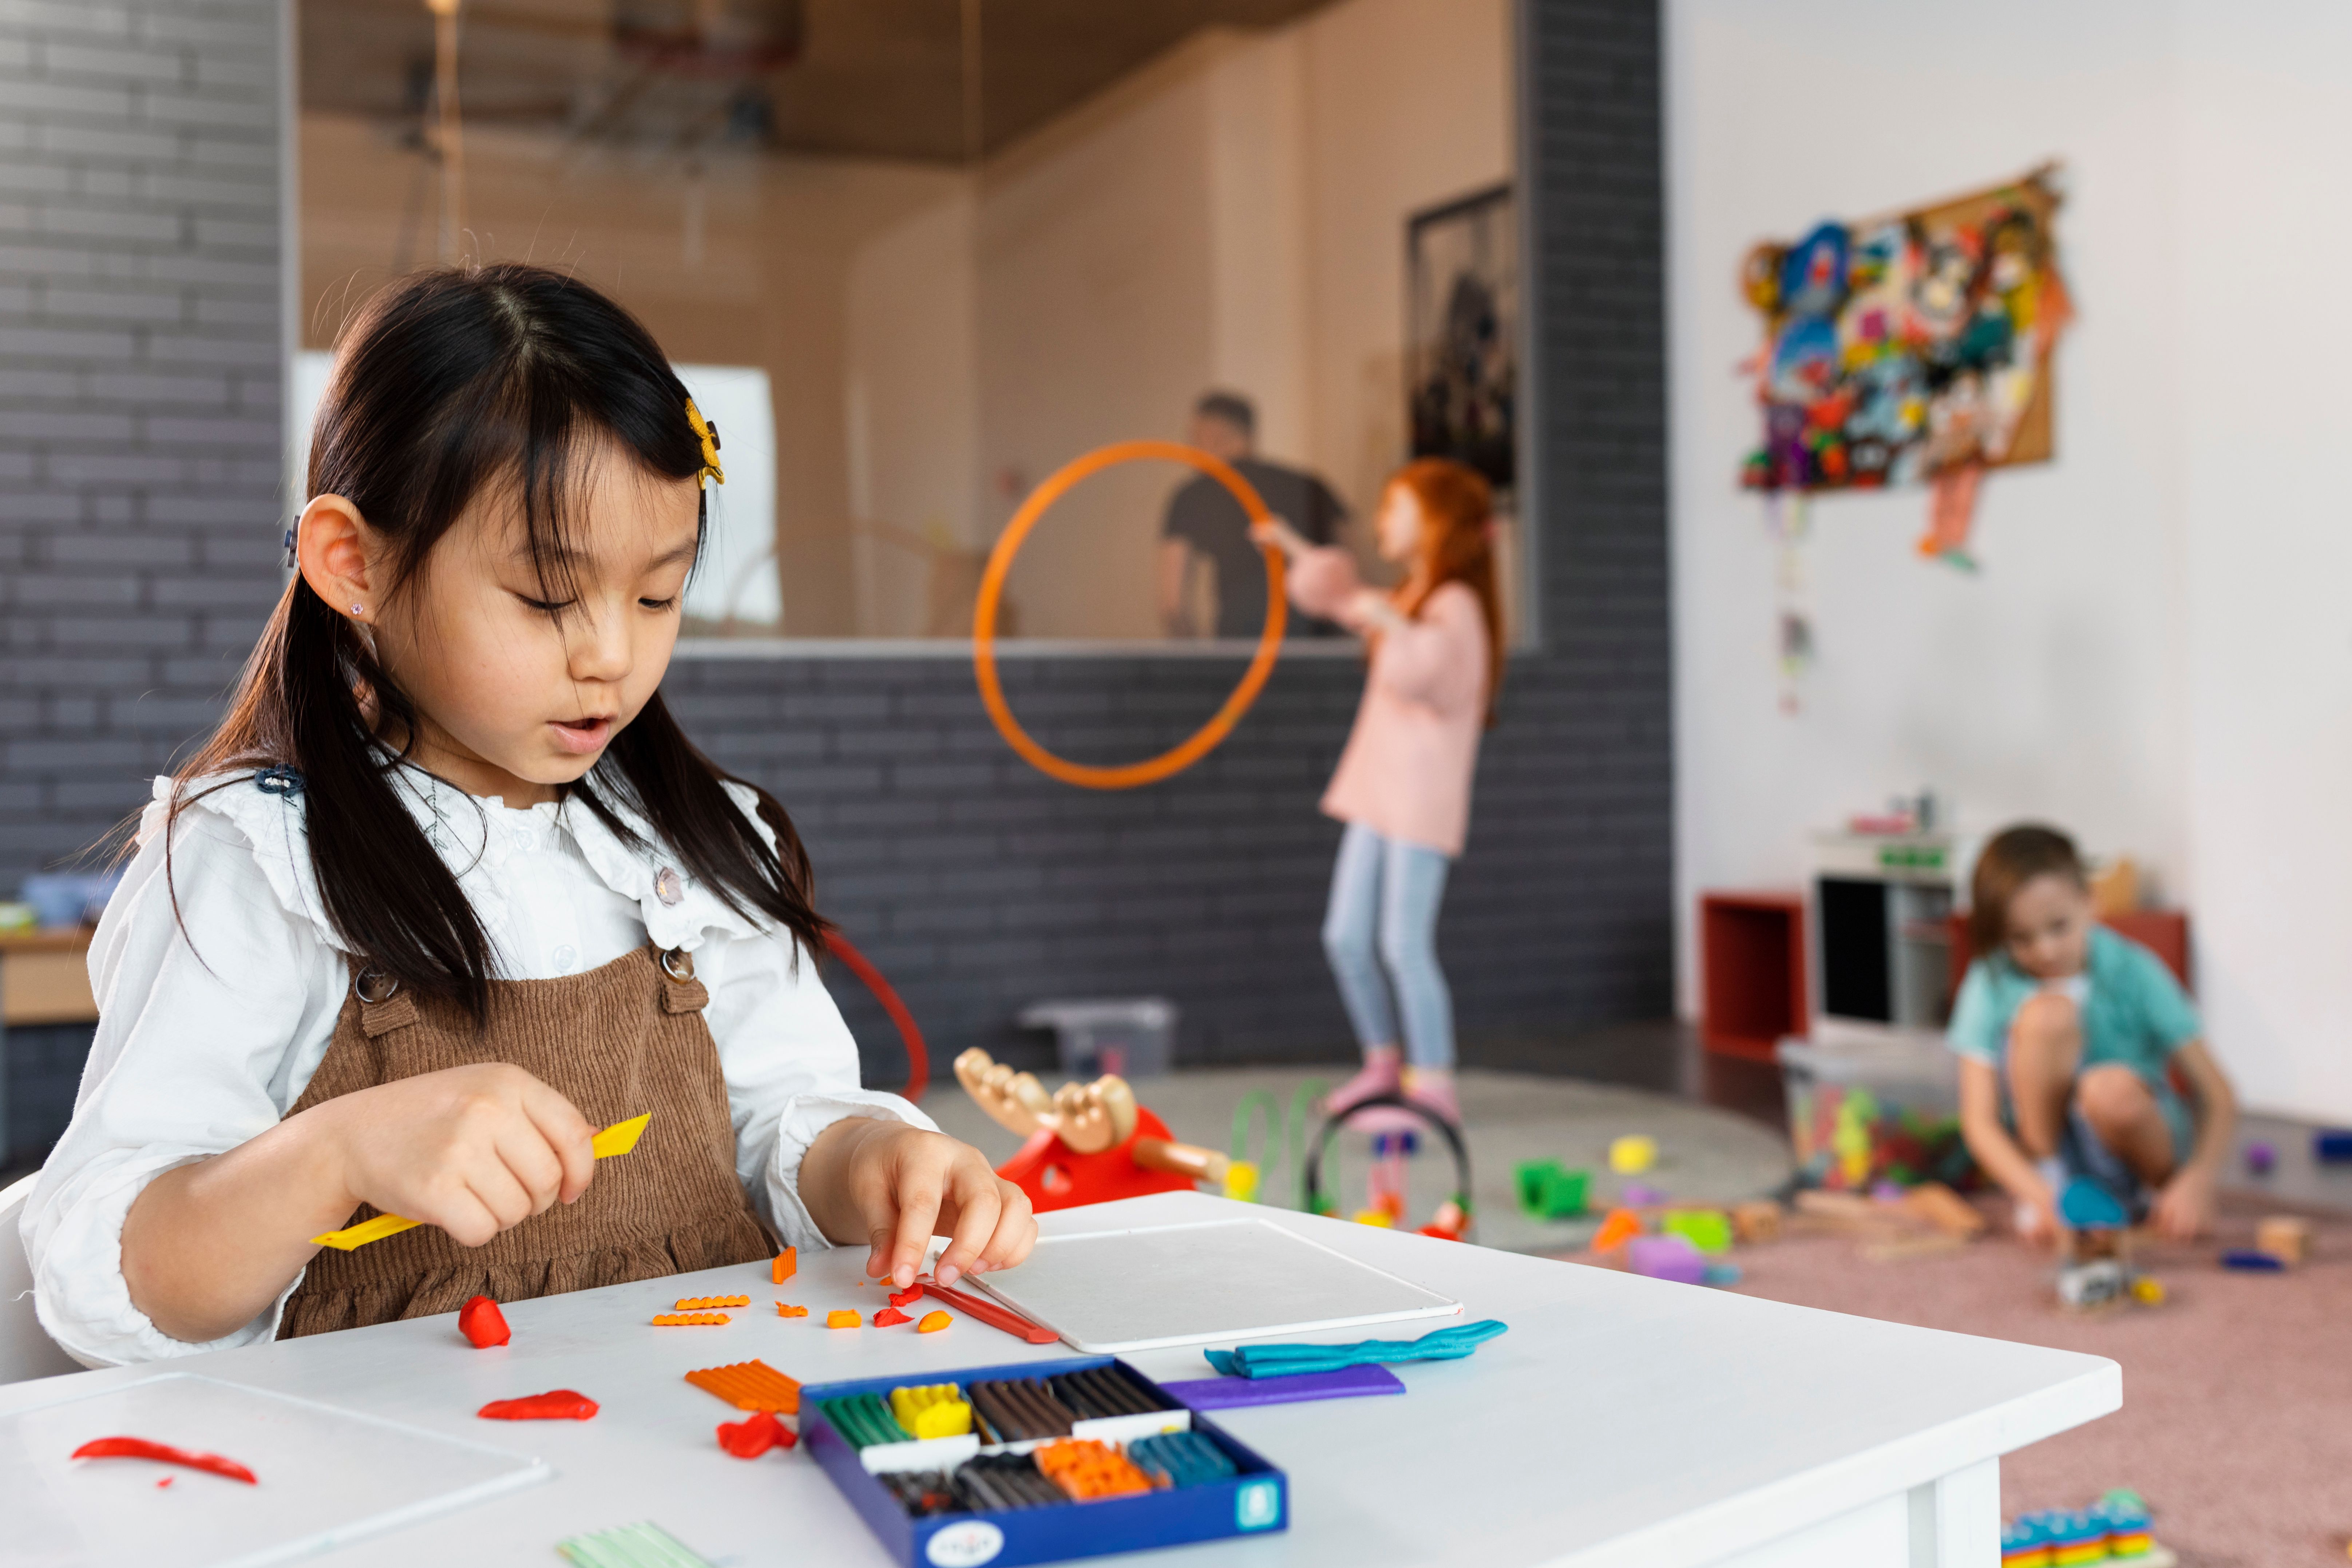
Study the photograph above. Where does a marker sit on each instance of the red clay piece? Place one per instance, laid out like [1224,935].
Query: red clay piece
[166,1482]
[483,1324]
[140,1449]
[556,1405]
[906,1298]
[750,1438]
[890,1318]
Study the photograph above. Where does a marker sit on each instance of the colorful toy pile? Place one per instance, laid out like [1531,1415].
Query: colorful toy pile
[2116,1529]
[1849,1140]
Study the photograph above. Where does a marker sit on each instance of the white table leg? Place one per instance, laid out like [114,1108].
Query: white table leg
[1956,1521]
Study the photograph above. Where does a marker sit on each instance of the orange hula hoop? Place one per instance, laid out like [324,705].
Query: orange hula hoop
[992,591]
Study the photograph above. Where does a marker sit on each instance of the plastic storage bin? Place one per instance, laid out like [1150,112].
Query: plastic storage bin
[1134,1037]
[1870,1104]
[1252,1500]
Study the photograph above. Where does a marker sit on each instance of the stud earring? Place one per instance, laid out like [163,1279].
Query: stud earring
[359,609]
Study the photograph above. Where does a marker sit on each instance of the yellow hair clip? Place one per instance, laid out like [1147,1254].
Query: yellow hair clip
[709,435]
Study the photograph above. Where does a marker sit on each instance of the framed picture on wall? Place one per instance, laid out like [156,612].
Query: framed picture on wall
[1461,333]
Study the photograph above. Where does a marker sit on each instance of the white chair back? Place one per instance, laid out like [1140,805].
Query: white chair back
[25,1352]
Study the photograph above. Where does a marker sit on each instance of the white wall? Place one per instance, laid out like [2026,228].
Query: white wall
[2138,660]
[2267,229]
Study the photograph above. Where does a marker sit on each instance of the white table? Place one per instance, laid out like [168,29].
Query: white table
[1621,1421]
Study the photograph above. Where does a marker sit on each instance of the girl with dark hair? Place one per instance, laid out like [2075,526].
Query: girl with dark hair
[2069,1038]
[449,889]
[1403,785]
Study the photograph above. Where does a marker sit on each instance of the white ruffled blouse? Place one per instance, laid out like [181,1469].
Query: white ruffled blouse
[201,1046]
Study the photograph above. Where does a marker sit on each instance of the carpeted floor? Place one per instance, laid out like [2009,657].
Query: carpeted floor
[2237,1418]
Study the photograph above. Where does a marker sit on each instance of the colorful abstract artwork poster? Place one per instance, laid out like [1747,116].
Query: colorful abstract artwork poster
[1911,349]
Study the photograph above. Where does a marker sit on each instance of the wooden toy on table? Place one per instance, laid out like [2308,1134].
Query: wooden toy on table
[1087,1143]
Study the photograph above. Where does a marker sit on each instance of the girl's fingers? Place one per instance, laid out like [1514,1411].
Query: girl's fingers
[505,1197]
[467,1219]
[569,1137]
[977,1207]
[918,1213]
[1016,1230]
[533,1162]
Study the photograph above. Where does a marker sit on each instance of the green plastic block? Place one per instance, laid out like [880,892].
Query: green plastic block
[1710,1230]
[1550,1191]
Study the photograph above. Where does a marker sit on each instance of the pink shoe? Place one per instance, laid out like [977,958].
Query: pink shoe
[1382,1074]
[1434,1091]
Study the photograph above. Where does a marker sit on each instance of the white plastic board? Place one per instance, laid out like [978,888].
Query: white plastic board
[1114,1290]
[326,1477]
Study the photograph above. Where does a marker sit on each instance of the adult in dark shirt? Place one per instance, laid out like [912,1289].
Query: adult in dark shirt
[1205,522]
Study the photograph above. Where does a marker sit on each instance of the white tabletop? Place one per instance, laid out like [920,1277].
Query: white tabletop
[1620,1420]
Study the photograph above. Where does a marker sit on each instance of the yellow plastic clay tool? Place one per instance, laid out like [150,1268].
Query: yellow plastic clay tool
[618,1138]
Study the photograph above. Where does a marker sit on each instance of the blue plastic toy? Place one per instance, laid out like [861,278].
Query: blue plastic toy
[1281,1360]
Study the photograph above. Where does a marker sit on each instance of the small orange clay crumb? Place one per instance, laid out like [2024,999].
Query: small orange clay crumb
[933,1323]
[844,1320]
[703,1303]
[688,1320]
[787,1264]
[784,1311]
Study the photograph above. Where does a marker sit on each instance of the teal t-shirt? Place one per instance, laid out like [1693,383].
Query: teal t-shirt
[2136,1013]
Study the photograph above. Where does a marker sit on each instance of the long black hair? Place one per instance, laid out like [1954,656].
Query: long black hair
[447,382]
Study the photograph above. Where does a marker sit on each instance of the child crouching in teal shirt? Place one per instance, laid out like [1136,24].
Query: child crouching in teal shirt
[2078,1029]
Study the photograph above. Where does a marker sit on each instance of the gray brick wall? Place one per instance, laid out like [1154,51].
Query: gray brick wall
[139,393]
[138,494]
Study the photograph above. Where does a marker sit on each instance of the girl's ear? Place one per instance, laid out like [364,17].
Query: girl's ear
[339,556]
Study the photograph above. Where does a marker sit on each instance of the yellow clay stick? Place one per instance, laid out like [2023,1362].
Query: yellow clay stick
[618,1138]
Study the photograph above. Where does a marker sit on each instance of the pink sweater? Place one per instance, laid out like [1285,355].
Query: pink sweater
[1406,771]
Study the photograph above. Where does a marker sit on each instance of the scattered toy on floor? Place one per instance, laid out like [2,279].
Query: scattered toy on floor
[2116,1527]
[1708,1230]
[1548,1190]
[1641,1195]
[1618,1227]
[1632,1154]
[163,1452]
[2331,1146]
[2247,1260]
[2261,1158]
[2285,1237]
[556,1405]
[1756,1221]
[1670,1257]
[482,1323]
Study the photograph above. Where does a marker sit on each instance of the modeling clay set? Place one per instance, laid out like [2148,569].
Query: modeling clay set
[1034,1463]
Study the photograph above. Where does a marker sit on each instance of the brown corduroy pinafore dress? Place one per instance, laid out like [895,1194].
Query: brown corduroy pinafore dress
[617,1041]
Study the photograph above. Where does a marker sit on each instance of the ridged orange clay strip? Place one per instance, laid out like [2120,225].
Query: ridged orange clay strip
[750,1386]
[704,1303]
[688,1320]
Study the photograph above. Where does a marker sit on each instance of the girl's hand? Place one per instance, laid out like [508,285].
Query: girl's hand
[1274,531]
[474,1150]
[2037,1216]
[2184,1209]
[903,1185]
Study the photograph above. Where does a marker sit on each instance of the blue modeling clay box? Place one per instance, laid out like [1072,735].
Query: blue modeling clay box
[1034,1463]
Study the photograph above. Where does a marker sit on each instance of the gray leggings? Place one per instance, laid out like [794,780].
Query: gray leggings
[1380,935]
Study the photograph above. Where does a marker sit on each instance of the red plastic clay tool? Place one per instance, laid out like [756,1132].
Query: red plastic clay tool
[995,1316]
[556,1405]
[750,1438]
[140,1449]
[483,1324]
